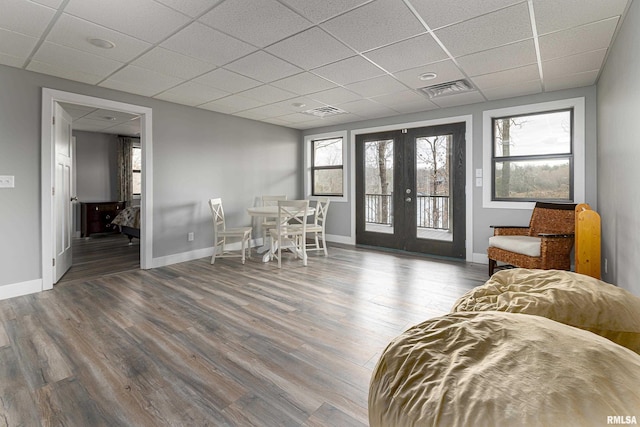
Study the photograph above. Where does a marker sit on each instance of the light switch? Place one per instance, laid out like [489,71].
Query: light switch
[478,182]
[478,173]
[7,181]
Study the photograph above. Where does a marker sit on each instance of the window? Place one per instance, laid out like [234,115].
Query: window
[533,153]
[136,166]
[325,158]
[326,175]
[533,157]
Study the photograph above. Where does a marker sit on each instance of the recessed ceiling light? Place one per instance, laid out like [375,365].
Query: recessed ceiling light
[102,43]
[427,76]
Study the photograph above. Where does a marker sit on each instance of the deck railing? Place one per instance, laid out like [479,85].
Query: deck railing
[432,211]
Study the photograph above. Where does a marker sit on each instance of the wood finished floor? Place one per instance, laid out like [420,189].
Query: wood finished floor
[195,344]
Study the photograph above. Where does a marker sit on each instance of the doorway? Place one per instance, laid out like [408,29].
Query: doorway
[410,190]
[50,98]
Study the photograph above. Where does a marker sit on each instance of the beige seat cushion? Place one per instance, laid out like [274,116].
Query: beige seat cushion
[563,296]
[502,369]
[524,245]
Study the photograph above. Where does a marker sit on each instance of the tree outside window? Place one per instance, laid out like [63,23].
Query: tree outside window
[533,157]
[327,167]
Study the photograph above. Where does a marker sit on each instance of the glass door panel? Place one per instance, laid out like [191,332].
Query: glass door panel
[378,181]
[433,188]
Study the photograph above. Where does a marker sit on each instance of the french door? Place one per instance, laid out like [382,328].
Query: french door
[410,190]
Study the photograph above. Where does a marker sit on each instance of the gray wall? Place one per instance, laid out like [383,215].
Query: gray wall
[619,155]
[482,218]
[96,166]
[197,155]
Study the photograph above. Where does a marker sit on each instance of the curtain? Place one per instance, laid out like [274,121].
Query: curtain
[125,170]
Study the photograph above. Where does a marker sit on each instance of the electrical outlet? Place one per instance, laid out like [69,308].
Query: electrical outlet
[190,237]
[7,181]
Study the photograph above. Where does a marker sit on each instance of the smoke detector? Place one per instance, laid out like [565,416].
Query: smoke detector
[448,88]
[325,111]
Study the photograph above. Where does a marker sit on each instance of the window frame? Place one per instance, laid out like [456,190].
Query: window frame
[531,157]
[310,168]
[578,150]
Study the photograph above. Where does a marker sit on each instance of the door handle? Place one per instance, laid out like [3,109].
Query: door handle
[408,199]
[74,199]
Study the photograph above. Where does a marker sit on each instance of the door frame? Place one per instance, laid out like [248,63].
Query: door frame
[51,96]
[469,188]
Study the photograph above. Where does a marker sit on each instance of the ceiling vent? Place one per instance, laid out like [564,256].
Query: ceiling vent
[325,111]
[448,88]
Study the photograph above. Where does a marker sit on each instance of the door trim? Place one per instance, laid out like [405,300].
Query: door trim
[49,97]
[469,188]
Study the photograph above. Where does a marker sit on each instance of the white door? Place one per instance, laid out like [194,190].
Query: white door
[63,192]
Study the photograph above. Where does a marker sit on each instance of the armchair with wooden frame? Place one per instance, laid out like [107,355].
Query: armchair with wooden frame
[545,244]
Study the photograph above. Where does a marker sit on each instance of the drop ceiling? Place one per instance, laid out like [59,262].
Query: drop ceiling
[272,60]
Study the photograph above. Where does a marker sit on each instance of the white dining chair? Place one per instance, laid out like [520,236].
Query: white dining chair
[269,222]
[221,233]
[316,230]
[291,230]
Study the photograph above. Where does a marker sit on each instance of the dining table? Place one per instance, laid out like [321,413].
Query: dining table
[269,212]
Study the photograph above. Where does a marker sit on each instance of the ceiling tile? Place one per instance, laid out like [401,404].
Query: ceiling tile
[299,104]
[377,86]
[144,19]
[295,49]
[366,107]
[16,45]
[375,24]
[438,13]
[510,90]
[336,96]
[318,11]
[579,39]
[232,104]
[11,61]
[571,81]
[407,101]
[349,70]
[50,3]
[501,58]
[192,8]
[446,71]
[172,63]
[76,33]
[64,72]
[487,31]
[191,93]
[407,54]
[227,80]
[259,22]
[512,76]
[263,67]
[206,44]
[574,64]
[554,15]
[267,111]
[72,59]
[268,94]
[25,17]
[140,81]
[459,99]
[303,84]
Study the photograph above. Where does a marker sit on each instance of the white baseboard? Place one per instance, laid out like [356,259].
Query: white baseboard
[196,254]
[345,240]
[480,258]
[19,289]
